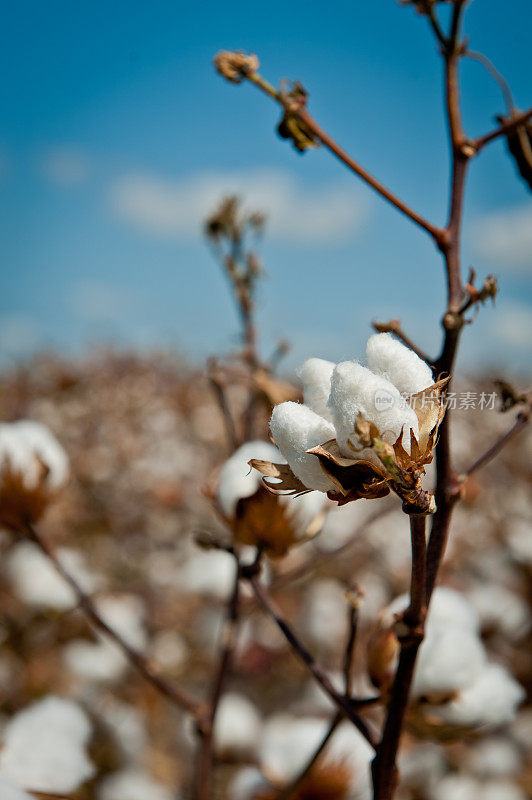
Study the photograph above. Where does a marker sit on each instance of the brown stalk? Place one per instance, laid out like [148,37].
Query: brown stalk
[523,418]
[136,659]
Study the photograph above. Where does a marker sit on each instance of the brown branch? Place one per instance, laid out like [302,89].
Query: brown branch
[342,701]
[303,115]
[410,635]
[394,326]
[502,130]
[523,418]
[206,727]
[136,659]
[219,390]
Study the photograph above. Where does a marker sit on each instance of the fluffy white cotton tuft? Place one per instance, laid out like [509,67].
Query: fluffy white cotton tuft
[449,660]
[237,726]
[237,479]
[36,581]
[8,791]
[356,390]
[295,429]
[491,700]
[450,609]
[287,744]
[315,375]
[25,446]
[398,364]
[44,747]
[132,784]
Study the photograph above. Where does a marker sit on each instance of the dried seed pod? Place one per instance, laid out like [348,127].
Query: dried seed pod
[519,143]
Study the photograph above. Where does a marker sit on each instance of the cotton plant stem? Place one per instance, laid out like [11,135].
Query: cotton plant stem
[342,702]
[523,418]
[206,728]
[410,635]
[136,659]
[328,142]
[502,130]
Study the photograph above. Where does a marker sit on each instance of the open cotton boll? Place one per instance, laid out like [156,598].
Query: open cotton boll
[207,572]
[491,700]
[398,364]
[501,609]
[8,791]
[237,480]
[37,582]
[295,429]
[44,747]
[448,609]
[349,748]
[449,661]
[287,744]
[494,757]
[315,375]
[356,390]
[237,725]
[133,784]
[16,456]
[246,784]
[45,446]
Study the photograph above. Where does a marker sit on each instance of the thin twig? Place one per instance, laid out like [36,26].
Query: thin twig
[136,659]
[344,703]
[502,130]
[346,159]
[394,326]
[523,418]
[410,635]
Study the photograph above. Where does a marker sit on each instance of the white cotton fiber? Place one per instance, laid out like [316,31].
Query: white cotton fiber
[356,390]
[237,479]
[315,375]
[450,609]
[491,700]
[133,784]
[237,725]
[295,429]
[449,661]
[45,446]
[398,364]
[44,747]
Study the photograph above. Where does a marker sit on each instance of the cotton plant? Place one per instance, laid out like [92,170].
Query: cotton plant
[33,469]
[361,431]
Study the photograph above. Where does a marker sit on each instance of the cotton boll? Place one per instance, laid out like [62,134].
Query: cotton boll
[304,509]
[449,608]
[494,758]
[295,429]
[448,661]
[44,747]
[325,614]
[133,784]
[101,662]
[237,479]
[456,787]
[16,456]
[237,725]
[315,375]
[287,744]
[422,765]
[491,700]
[356,390]
[207,572]
[37,582]
[246,784]
[398,364]
[45,446]
[125,615]
[349,747]
[501,609]
[502,790]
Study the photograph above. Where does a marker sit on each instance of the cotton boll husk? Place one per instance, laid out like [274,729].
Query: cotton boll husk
[353,391]
[491,700]
[494,758]
[448,661]
[37,582]
[8,791]
[394,361]
[45,446]
[133,784]
[315,375]
[237,479]
[295,429]
[501,609]
[287,743]
[44,747]
[237,725]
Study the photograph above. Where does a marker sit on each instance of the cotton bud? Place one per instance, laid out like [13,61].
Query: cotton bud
[33,468]
[295,429]
[390,359]
[356,390]
[315,375]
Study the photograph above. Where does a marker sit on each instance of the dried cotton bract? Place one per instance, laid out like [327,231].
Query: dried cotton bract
[33,468]
[360,431]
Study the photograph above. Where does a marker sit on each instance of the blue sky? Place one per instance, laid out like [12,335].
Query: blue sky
[117,136]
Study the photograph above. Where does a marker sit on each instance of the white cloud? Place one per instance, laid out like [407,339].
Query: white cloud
[96,301]
[66,166]
[505,237]
[296,213]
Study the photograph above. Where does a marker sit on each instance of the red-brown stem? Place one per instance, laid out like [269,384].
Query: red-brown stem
[410,635]
[136,659]
[503,129]
[523,418]
[206,727]
[342,701]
